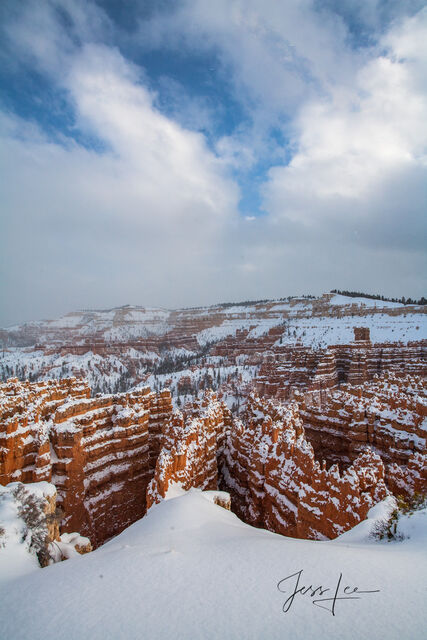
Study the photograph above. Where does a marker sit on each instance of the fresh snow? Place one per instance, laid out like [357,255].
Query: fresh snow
[339,300]
[191,569]
[15,557]
[324,331]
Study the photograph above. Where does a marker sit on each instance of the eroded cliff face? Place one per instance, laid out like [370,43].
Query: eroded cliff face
[26,416]
[309,468]
[192,448]
[387,414]
[276,483]
[99,452]
[288,368]
[366,436]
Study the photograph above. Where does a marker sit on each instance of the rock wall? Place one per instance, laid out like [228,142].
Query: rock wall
[267,465]
[409,480]
[310,468]
[387,414]
[276,483]
[26,415]
[192,448]
[99,452]
[286,368]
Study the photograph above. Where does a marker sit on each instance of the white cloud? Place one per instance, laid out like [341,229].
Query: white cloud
[141,220]
[349,144]
[153,218]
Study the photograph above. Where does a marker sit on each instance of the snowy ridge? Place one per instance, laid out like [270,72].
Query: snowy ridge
[121,348]
[202,560]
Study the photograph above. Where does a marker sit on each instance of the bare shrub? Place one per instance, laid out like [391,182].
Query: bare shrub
[31,509]
[2,535]
[388,529]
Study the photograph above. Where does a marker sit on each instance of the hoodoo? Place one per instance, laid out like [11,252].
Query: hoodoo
[304,438]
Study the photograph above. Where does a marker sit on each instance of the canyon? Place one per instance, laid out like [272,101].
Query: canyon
[291,408]
[98,452]
[281,341]
[309,468]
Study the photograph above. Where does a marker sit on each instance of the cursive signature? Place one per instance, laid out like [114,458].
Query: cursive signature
[293,584]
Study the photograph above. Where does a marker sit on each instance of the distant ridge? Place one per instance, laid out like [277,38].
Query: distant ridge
[374,296]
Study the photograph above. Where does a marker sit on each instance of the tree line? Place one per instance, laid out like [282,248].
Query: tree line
[374,296]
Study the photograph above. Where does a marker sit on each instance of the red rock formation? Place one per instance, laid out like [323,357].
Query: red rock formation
[95,450]
[361,333]
[286,368]
[26,413]
[268,467]
[275,481]
[387,414]
[192,445]
[410,480]
[102,452]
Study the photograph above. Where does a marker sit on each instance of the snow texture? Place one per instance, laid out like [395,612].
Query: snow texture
[191,569]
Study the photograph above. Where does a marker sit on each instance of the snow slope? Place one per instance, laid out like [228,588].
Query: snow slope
[191,569]
[16,559]
[340,300]
[324,331]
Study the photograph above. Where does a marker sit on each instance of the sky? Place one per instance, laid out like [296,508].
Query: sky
[180,153]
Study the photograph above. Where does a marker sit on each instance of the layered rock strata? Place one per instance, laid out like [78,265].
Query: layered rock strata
[99,452]
[192,448]
[275,481]
[387,414]
[111,456]
[288,368]
[265,462]
[26,416]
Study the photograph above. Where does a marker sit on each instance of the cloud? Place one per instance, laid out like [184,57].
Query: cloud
[133,203]
[138,220]
[354,146]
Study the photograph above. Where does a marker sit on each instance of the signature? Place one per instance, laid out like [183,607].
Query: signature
[293,584]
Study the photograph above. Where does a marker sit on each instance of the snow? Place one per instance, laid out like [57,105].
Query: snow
[323,331]
[129,366]
[15,557]
[339,300]
[191,569]
[229,374]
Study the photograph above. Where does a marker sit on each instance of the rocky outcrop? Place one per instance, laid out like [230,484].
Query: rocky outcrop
[26,415]
[309,468]
[276,483]
[362,334]
[30,531]
[266,464]
[388,414]
[409,480]
[192,448]
[99,452]
[288,368]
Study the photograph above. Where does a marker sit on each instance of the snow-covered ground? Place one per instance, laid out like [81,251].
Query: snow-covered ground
[323,331]
[191,569]
[127,366]
[121,324]
[339,300]
[104,373]
[16,557]
[23,529]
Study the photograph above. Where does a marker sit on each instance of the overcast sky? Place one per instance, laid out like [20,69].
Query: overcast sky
[175,153]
